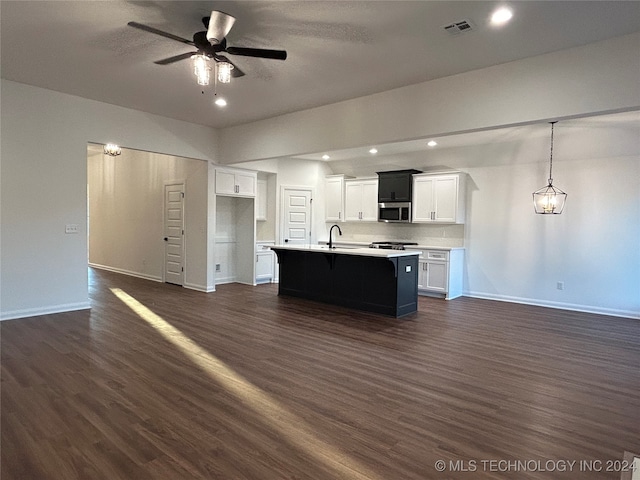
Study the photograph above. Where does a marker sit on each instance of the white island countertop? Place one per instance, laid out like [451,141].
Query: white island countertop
[361,252]
[420,246]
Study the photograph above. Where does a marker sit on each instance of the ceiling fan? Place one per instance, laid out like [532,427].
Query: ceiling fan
[212,42]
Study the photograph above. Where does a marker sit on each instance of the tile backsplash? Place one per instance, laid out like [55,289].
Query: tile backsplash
[423,234]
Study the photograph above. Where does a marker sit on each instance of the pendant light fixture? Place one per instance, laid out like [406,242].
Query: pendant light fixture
[112,150]
[549,199]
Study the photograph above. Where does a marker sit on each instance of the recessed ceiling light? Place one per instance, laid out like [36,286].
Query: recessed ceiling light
[501,16]
[373,151]
[221,102]
[325,157]
[432,143]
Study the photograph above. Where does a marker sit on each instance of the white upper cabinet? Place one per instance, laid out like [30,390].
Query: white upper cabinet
[334,198]
[361,200]
[240,183]
[438,198]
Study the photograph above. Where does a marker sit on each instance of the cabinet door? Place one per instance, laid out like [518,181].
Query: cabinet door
[422,275]
[369,207]
[436,276]
[225,183]
[264,266]
[352,201]
[446,199]
[423,204]
[246,184]
[334,195]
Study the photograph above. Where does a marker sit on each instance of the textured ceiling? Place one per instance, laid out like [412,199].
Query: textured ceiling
[336,50]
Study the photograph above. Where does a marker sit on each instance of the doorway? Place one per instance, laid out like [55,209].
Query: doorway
[296,215]
[174,233]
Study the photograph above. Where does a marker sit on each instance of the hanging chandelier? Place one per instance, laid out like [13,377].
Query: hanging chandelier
[549,199]
[112,150]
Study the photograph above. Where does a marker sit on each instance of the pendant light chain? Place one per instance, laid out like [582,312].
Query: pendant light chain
[551,156]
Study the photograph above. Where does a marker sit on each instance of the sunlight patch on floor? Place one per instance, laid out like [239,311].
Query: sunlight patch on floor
[292,427]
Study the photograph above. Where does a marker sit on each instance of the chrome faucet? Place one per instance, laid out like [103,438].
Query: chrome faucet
[330,232]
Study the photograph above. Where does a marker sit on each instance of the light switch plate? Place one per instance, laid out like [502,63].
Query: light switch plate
[71,228]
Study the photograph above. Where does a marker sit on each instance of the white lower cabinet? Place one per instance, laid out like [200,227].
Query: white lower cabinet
[440,272]
[265,262]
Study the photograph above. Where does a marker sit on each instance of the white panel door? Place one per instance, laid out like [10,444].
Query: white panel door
[174,233]
[296,216]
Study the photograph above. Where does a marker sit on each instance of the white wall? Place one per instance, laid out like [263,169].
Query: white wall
[126,205]
[593,246]
[596,78]
[44,187]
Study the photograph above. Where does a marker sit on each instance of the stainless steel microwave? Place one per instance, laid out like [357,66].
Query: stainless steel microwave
[394,212]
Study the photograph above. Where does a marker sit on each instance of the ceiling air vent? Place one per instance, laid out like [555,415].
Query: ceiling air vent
[457,28]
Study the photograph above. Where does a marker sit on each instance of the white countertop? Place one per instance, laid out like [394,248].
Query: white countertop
[362,252]
[416,247]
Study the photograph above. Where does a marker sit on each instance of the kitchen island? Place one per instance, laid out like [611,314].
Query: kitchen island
[373,280]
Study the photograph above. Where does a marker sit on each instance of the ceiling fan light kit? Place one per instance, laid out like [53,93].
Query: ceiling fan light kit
[210,44]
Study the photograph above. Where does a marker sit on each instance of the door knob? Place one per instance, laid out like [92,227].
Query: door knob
[166,239]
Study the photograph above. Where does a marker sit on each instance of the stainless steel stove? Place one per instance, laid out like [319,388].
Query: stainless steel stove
[391,245]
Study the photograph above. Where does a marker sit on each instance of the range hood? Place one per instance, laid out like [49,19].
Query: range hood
[395,186]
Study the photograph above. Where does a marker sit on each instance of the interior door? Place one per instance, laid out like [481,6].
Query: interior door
[296,215]
[174,233]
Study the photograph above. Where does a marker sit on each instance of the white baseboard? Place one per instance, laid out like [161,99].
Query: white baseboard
[34,312]
[558,305]
[200,288]
[126,272]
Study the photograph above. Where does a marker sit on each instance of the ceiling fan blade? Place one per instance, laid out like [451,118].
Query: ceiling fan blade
[236,72]
[149,29]
[176,58]
[258,52]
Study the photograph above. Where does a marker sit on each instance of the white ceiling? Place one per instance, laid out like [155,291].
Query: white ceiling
[336,50]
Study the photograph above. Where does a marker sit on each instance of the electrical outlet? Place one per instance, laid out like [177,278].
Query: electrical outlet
[217,267]
[560,285]
[71,228]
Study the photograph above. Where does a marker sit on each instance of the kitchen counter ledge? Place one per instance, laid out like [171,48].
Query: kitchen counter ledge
[362,252]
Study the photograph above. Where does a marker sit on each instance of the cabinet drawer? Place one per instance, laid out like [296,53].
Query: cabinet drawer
[436,255]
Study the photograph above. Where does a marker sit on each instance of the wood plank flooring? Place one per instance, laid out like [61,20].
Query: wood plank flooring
[160,382]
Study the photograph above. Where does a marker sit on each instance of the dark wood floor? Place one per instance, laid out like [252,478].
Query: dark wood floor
[243,384]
